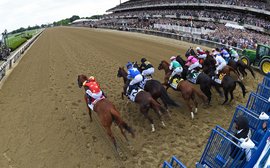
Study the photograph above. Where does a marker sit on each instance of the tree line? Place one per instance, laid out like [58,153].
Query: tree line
[62,22]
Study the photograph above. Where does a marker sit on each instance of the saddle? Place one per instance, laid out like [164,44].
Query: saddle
[176,79]
[192,76]
[134,93]
[218,79]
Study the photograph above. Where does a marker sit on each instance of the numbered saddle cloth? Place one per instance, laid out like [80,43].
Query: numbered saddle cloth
[91,106]
[192,77]
[175,82]
[134,93]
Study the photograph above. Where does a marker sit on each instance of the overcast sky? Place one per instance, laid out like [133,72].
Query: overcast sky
[22,13]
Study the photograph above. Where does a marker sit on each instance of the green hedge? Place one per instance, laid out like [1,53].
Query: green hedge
[17,43]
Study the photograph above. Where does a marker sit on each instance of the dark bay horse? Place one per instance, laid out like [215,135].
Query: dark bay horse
[203,79]
[229,84]
[187,90]
[107,114]
[144,99]
[241,67]
[209,66]
[154,87]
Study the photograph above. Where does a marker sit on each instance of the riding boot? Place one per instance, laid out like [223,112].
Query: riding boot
[103,94]
[130,88]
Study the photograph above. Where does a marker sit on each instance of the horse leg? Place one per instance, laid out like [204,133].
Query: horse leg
[89,110]
[207,92]
[123,133]
[189,107]
[109,132]
[195,103]
[219,91]
[144,111]
[226,96]
[231,93]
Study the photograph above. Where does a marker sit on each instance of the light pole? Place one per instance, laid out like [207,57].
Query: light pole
[4,34]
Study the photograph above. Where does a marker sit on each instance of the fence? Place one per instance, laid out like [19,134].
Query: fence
[13,58]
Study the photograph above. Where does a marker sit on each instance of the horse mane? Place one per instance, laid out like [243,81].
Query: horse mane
[165,62]
[83,77]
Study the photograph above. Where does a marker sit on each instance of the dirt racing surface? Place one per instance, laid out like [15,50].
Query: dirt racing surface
[44,121]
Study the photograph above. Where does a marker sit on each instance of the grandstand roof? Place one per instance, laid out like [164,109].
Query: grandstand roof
[84,20]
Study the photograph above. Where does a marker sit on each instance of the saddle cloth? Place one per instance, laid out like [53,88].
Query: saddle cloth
[91,106]
[133,94]
[175,82]
[192,77]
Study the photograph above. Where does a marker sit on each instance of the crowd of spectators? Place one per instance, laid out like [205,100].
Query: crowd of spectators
[214,20]
[215,15]
[258,4]
[241,38]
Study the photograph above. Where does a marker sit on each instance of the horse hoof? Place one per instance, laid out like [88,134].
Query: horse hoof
[192,115]
[163,124]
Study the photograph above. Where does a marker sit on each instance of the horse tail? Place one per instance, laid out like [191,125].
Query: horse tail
[166,98]
[156,106]
[242,87]
[234,71]
[122,124]
[201,95]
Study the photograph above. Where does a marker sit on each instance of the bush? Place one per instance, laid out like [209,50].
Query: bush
[14,45]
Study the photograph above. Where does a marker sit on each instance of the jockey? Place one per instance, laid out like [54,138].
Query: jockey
[192,63]
[224,53]
[234,54]
[220,63]
[93,92]
[146,67]
[135,76]
[201,53]
[176,67]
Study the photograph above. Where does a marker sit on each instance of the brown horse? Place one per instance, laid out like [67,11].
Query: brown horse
[144,99]
[107,113]
[187,90]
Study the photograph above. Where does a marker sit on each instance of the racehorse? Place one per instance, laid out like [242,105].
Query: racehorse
[203,79]
[144,99]
[209,66]
[239,66]
[229,84]
[187,90]
[154,87]
[190,52]
[107,114]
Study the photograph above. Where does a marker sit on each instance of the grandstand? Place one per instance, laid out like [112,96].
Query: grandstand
[206,19]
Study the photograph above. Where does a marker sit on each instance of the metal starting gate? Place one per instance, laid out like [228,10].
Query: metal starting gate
[223,148]
[174,163]
[258,104]
[263,91]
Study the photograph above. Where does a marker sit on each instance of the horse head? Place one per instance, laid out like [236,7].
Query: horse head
[81,79]
[180,60]
[163,64]
[190,52]
[121,72]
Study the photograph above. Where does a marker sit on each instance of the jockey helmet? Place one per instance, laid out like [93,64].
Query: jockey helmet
[198,48]
[230,48]
[91,78]
[190,58]
[172,58]
[143,60]
[129,64]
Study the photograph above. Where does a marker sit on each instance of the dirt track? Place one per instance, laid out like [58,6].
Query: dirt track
[44,121]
